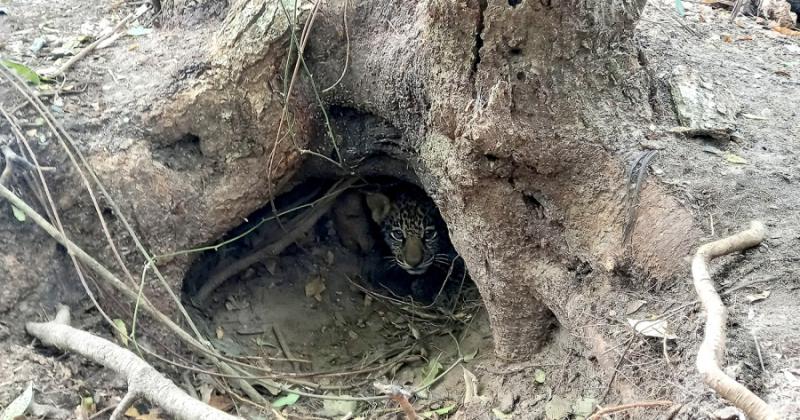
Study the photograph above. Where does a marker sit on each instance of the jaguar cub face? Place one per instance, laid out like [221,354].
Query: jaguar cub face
[408,226]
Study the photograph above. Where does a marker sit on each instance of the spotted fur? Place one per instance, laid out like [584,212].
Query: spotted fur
[409,226]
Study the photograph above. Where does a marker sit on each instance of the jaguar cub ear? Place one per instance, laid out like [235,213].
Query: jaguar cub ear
[379,205]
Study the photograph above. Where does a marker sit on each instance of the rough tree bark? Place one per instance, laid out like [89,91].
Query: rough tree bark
[518,117]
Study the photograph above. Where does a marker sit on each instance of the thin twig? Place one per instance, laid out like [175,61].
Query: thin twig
[624,407]
[89,48]
[117,284]
[616,368]
[67,142]
[284,345]
[758,351]
[347,50]
[127,401]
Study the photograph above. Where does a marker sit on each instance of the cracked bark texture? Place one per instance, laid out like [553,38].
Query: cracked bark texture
[518,118]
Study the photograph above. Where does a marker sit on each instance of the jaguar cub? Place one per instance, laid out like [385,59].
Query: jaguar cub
[410,224]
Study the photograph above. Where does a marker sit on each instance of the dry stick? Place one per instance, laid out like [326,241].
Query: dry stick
[66,141]
[89,48]
[623,407]
[284,346]
[143,380]
[347,50]
[299,225]
[18,133]
[54,126]
[712,349]
[278,137]
[616,368]
[117,284]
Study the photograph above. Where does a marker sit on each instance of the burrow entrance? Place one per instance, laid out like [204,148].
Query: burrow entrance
[354,282]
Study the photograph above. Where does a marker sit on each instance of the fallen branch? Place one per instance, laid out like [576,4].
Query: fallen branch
[623,407]
[712,349]
[143,380]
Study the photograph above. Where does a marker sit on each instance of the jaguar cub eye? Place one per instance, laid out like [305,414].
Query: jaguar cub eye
[397,235]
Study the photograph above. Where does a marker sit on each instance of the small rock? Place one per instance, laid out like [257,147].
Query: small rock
[557,408]
[729,413]
[507,402]
[38,44]
[652,145]
[334,408]
[271,265]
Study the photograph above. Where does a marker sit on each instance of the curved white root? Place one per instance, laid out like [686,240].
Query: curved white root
[712,350]
[143,380]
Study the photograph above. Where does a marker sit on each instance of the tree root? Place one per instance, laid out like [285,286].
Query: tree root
[143,380]
[712,349]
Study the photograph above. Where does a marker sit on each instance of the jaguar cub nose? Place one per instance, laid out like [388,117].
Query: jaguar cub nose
[413,251]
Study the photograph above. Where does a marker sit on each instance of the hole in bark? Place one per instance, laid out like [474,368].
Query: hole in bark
[515,51]
[181,155]
[521,76]
[491,158]
[514,3]
[536,208]
[108,214]
[337,284]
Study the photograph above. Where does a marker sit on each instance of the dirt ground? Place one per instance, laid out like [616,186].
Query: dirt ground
[341,327]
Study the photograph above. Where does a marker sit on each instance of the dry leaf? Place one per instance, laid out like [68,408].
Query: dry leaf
[220,402]
[634,306]
[20,405]
[539,376]
[315,287]
[745,38]
[557,408]
[498,414]
[758,296]
[121,331]
[220,332]
[470,386]
[206,391]
[726,38]
[786,31]
[141,412]
[736,159]
[657,328]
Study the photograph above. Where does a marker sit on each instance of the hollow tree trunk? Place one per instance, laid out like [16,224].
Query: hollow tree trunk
[518,117]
